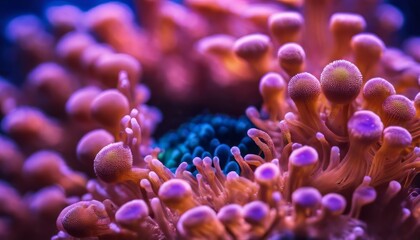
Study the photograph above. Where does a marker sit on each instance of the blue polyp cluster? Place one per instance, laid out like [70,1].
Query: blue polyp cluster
[207,136]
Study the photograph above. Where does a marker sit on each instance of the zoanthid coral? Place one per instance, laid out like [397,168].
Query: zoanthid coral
[330,149]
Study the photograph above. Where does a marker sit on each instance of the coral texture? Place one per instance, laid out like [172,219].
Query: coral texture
[330,149]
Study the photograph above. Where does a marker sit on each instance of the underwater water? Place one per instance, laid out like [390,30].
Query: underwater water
[209,119]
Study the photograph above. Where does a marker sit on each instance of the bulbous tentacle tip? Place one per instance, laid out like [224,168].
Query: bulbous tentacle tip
[78,104]
[362,196]
[109,107]
[252,47]
[218,45]
[397,137]
[375,91]
[200,222]
[306,200]
[365,126]
[230,213]
[271,84]
[341,82]
[91,143]
[132,212]
[368,42]
[113,162]
[256,212]
[177,194]
[398,110]
[71,47]
[84,219]
[334,203]
[267,173]
[286,26]
[304,87]
[368,50]
[104,15]
[303,156]
[291,57]
[347,24]
[108,67]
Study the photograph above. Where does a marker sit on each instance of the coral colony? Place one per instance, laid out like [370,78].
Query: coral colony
[331,151]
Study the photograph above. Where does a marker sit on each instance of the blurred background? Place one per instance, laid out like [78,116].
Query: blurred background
[10,9]
[9,62]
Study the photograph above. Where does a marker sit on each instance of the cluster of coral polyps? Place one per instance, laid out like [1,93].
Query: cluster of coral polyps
[337,133]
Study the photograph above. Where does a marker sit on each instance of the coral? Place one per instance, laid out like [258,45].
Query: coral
[206,136]
[330,152]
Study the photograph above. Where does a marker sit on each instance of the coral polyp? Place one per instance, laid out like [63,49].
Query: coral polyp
[300,121]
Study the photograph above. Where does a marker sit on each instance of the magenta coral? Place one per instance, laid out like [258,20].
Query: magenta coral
[336,133]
